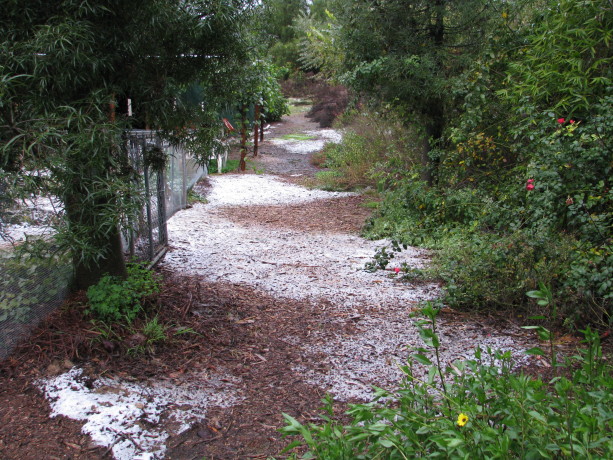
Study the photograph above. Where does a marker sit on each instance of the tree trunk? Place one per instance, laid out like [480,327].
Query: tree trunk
[112,263]
[434,114]
[104,249]
[256,127]
[426,170]
[243,164]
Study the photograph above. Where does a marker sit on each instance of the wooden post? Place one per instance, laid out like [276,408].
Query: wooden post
[112,109]
[243,164]
[256,126]
[262,129]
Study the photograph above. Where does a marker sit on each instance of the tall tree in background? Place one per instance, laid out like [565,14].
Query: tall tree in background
[64,63]
[407,52]
[320,50]
[278,18]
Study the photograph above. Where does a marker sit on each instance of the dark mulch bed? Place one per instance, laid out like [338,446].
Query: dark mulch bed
[239,331]
[337,215]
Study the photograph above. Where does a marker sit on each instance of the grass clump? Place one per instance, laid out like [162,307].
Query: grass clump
[297,137]
[231,165]
[371,145]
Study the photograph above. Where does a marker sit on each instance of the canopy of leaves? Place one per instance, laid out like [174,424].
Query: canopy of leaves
[64,62]
[567,63]
[407,52]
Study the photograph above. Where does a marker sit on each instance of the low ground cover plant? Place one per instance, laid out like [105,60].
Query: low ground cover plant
[477,408]
[117,300]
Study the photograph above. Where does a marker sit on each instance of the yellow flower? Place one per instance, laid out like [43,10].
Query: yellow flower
[462,419]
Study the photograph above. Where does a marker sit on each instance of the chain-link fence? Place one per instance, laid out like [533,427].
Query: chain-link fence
[34,283]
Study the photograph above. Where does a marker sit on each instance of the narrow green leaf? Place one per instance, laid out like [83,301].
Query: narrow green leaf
[422,359]
[455,442]
[386,443]
[536,415]
[535,351]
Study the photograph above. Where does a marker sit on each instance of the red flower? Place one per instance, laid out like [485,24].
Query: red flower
[530,184]
[561,120]
[397,270]
[572,122]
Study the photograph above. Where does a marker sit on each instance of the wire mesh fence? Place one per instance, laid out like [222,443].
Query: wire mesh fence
[35,283]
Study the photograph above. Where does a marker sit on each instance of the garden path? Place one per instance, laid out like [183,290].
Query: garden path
[344,329]
[270,275]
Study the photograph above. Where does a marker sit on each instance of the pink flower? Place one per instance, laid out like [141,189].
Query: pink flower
[530,184]
[397,270]
[572,122]
[561,120]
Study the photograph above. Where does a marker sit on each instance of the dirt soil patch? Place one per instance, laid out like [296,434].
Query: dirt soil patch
[267,308]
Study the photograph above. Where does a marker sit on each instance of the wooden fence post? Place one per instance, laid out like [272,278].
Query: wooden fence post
[112,109]
[256,126]
[243,164]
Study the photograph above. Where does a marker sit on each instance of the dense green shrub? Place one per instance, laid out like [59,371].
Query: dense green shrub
[117,300]
[489,271]
[476,408]
[541,207]
[373,145]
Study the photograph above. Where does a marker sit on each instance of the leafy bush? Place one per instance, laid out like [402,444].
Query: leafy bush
[329,102]
[548,217]
[116,300]
[484,271]
[373,145]
[476,408]
[274,103]
[351,162]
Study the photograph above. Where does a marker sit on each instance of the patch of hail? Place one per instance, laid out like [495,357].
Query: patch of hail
[32,218]
[257,190]
[330,135]
[309,146]
[375,355]
[134,419]
[323,268]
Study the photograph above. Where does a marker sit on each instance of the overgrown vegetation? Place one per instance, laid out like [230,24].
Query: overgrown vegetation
[123,314]
[491,144]
[328,103]
[510,179]
[79,74]
[477,408]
